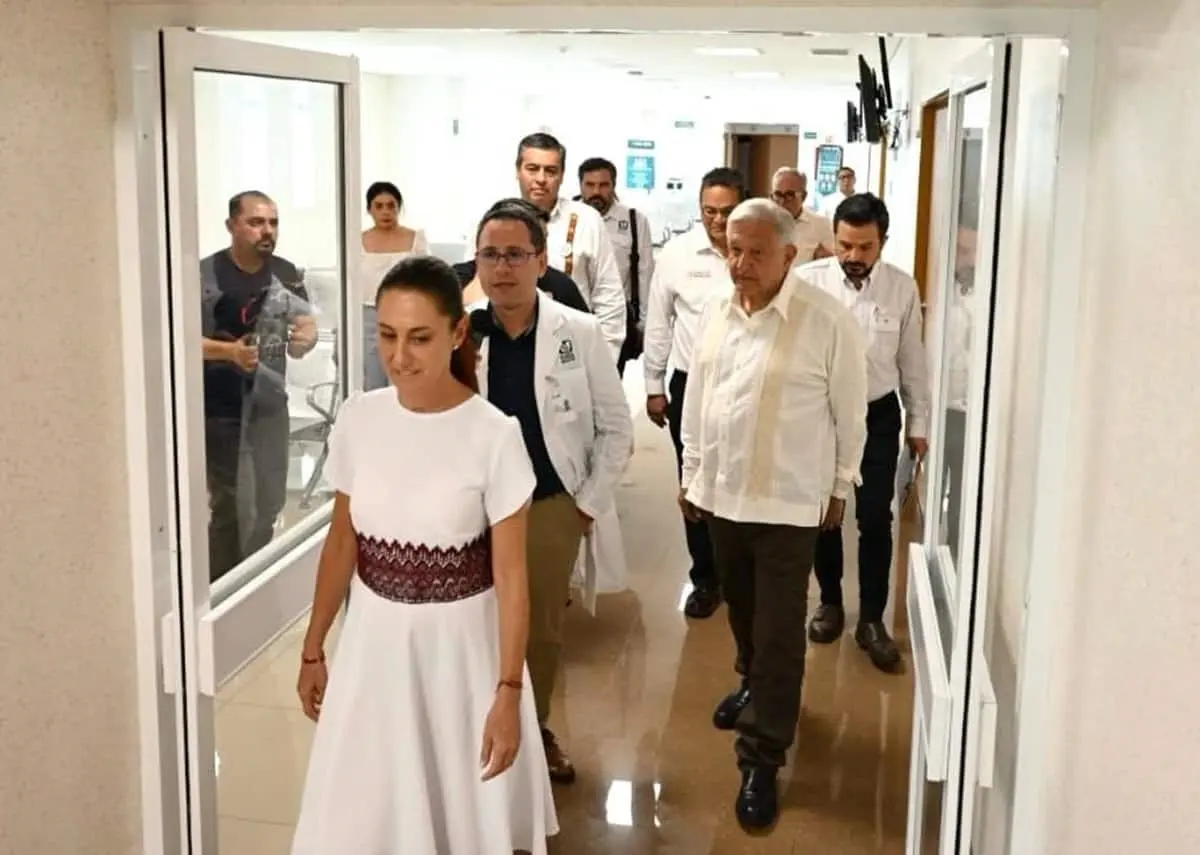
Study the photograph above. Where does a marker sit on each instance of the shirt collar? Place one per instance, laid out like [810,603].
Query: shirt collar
[780,304]
[700,242]
[525,333]
[866,283]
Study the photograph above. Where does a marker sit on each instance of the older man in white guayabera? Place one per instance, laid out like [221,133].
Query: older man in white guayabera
[773,428]
[812,233]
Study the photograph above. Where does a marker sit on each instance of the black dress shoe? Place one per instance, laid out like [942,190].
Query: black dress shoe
[726,714]
[827,624]
[702,602]
[758,799]
[873,637]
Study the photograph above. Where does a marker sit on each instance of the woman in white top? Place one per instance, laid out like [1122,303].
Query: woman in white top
[427,739]
[383,246]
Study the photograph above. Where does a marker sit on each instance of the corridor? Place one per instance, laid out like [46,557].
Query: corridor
[634,712]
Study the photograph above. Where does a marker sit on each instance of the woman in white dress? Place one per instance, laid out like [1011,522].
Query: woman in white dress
[384,245]
[427,740]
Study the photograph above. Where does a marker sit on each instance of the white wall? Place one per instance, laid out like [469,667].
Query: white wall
[1121,764]
[68,704]
[921,69]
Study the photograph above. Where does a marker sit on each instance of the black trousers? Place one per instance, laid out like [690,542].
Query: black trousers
[247,484]
[764,577]
[873,506]
[704,571]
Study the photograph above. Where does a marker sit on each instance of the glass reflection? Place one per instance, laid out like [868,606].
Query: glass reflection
[271,284]
[961,318]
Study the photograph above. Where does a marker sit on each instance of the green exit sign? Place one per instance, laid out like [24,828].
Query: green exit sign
[685,124]
[810,135]
[644,145]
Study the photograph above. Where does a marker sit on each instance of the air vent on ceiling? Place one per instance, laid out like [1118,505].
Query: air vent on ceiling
[830,52]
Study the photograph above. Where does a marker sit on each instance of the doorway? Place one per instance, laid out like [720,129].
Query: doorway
[198,634]
[756,151]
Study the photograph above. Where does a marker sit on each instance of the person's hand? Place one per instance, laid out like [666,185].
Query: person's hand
[656,409]
[834,514]
[585,521]
[501,733]
[918,445]
[244,355]
[690,512]
[311,686]
[302,337]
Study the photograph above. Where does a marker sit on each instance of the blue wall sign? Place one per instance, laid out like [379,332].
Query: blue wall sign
[639,172]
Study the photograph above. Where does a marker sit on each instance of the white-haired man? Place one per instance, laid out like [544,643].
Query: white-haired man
[773,431]
[812,233]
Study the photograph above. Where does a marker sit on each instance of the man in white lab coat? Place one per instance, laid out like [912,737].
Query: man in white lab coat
[629,231]
[578,240]
[548,366]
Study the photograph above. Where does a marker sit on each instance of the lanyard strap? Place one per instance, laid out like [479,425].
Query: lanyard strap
[569,261]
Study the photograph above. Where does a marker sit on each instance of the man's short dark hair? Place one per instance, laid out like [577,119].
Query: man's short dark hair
[724,176]
[516,211]
[236,200]
[542,142]
[863,209]
[847,169]
[595,164]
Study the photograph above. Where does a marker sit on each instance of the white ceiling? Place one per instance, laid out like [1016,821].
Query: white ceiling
[668,59]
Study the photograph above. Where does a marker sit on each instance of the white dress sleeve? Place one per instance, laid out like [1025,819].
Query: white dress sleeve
[339,465]
[510,479]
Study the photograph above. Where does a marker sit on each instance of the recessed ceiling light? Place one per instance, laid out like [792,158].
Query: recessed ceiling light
[756,75]
[728,51]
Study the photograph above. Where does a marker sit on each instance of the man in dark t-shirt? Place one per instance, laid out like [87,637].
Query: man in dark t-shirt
[255,314]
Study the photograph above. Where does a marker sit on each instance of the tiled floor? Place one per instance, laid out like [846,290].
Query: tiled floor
[634,711]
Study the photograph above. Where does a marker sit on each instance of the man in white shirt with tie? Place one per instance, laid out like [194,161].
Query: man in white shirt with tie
[885,303]
[813,235]
[633,245]
[773,428]
[578,240]
[691,270]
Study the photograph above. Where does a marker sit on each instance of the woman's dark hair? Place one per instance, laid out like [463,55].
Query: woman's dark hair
[380,188]
[436,280]
[863,209]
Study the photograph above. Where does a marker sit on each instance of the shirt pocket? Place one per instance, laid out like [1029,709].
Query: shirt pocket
[884,331]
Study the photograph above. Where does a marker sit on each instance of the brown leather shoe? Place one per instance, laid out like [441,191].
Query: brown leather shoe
[562,771]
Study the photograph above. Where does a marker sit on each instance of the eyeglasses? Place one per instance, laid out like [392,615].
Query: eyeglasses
[513,257]
[785,195]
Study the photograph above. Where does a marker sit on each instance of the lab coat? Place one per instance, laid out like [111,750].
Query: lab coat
[588,432]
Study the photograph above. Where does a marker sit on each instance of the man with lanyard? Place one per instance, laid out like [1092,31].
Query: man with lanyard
[549,367]
[814,233]
[255,315]
[691,270]
[577,242]
[629,231]
[887,306]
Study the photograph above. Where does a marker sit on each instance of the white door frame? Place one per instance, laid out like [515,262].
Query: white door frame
[142,270]
[206,633]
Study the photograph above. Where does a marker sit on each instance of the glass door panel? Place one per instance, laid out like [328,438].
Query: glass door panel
[262,177]
[947,564]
